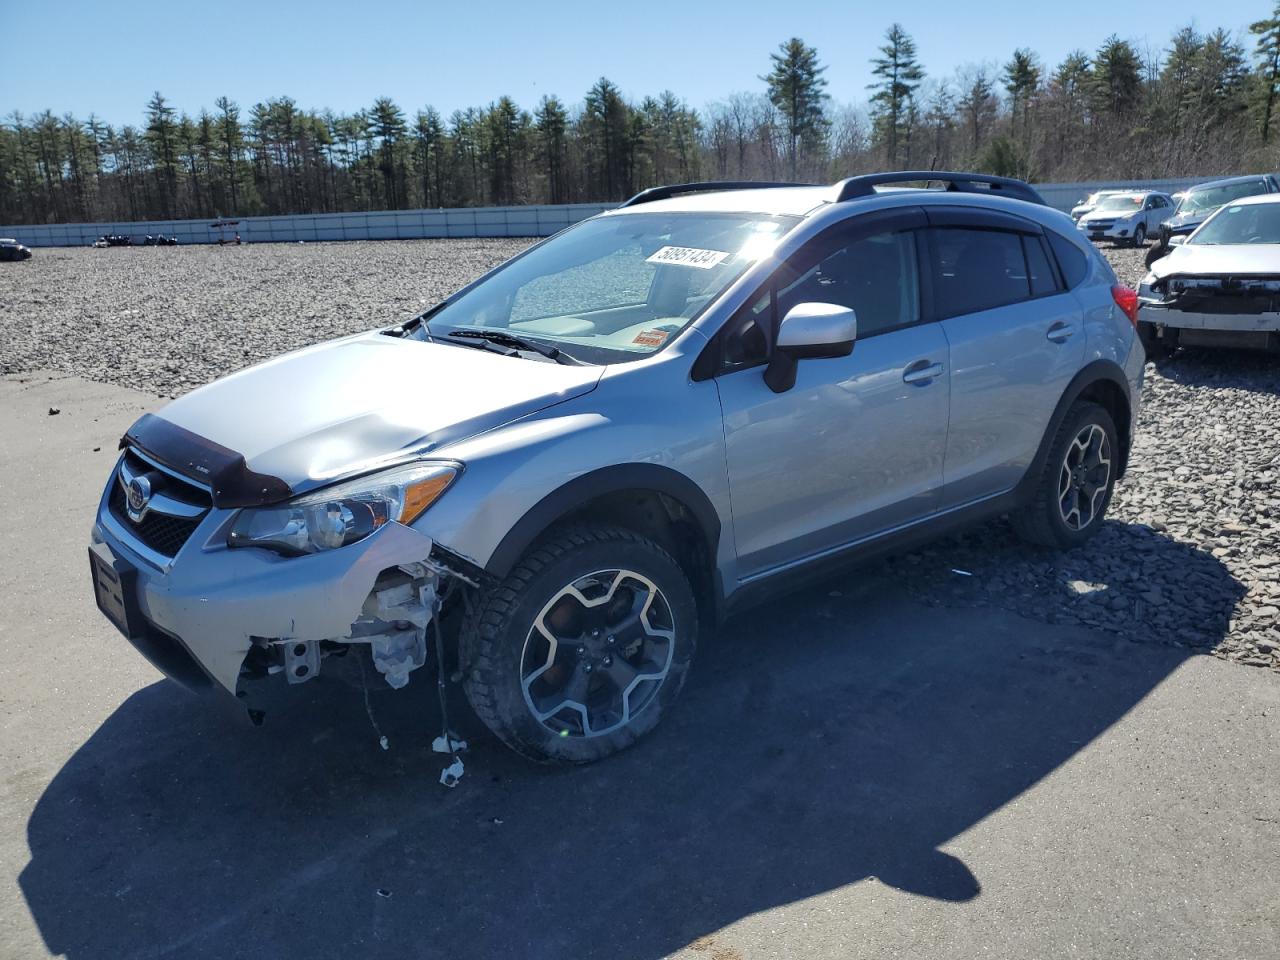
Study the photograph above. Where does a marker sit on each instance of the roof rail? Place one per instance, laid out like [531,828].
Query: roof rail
[854,188]
[676,189]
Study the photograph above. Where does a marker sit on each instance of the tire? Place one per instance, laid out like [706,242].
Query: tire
[1157,251]
[1140,235]
[1043,520]
[1156,347]
[512,668]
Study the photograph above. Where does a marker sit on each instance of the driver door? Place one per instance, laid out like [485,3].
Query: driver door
[856,447]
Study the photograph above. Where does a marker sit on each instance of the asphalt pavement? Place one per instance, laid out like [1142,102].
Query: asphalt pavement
[851,773]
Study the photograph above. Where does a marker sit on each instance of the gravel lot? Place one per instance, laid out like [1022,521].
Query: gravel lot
[1192,557]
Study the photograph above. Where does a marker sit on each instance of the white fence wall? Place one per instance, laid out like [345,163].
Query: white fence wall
[525,221]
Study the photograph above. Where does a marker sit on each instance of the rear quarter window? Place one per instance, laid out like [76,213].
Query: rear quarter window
[1072,261]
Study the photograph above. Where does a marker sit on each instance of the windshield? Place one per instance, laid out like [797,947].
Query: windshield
[1125,201]
[1198,201]
[1241,223]
[616,288]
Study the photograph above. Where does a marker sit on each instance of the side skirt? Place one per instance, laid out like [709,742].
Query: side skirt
[770,584]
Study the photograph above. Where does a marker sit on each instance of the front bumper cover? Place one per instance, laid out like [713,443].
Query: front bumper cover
[216,602]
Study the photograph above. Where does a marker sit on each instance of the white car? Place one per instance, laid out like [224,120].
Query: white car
[1127,218]
[1220,286]
[1088,203]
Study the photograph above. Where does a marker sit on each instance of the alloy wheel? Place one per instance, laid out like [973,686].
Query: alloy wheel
[598,653]
[1083,479]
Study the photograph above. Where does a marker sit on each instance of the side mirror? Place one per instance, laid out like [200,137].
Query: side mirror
[809,331]
[1177,240]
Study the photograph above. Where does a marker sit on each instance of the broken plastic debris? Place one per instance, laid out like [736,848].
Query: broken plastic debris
[383,743]
[451,774]
[440,745]
[963,573]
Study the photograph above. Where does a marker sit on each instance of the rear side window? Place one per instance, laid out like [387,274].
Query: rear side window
[1039,272]
[977,270]
[1071,259]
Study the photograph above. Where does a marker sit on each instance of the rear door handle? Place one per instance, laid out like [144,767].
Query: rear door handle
[922,371]
[1060,331]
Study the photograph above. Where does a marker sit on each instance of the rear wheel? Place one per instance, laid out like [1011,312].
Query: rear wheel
[1076,482]
[584,646]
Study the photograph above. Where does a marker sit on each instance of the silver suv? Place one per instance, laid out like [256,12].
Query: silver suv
[554,482]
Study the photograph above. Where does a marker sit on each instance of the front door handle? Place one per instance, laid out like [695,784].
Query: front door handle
[1060,331]
[922,371]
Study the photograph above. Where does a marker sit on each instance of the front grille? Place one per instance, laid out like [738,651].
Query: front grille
[1100,224]
[159,531]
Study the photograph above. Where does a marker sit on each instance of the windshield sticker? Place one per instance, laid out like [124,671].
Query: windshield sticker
[688,257]
[652,338]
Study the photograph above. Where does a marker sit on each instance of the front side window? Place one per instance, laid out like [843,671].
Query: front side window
[1241,223]
[875,275]
[976,270]
[616,288]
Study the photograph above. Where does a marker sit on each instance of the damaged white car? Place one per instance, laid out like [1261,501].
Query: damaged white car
[550,484]
[1219,287]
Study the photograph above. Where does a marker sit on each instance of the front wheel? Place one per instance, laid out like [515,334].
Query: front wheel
[1075,484]
[1140,235]
[583,648]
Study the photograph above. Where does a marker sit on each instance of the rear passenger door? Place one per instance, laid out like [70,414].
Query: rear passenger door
[1016,338]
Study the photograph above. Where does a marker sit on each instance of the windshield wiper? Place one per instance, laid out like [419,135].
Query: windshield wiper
[511,340]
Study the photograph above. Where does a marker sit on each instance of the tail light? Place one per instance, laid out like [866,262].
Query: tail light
[1126,299]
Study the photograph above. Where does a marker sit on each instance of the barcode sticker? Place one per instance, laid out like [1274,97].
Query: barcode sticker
[688,257]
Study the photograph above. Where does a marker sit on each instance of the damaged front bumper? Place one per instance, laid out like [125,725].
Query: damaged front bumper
[212,616]
[1214,311]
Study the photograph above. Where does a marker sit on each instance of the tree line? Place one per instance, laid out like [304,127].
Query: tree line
[1206,103]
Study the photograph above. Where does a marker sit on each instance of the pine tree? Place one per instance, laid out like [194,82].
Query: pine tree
[1117,78]
[900,74]
[796,87]
[1267,52]
[1022,81]
[162,132]
[552,124]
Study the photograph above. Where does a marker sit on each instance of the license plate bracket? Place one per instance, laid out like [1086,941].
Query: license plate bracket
[115,590]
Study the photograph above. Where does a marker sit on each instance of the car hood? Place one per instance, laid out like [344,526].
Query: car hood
[1217,260]
[1106,215]
[1189,219]
[351,405]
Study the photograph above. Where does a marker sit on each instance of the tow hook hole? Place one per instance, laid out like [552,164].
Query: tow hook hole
[299,649]
[302,671]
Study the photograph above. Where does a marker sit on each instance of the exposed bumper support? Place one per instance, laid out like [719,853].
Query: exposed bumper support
[221,603]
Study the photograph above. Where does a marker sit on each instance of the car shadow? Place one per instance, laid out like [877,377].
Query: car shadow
[1252,370]
[845,733]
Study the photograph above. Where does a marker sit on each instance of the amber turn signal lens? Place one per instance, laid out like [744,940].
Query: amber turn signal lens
[421,494]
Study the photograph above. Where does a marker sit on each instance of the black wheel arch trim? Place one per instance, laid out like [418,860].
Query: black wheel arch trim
[617,478]
[1092,373]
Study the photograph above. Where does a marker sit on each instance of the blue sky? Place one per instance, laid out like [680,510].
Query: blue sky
[108,56]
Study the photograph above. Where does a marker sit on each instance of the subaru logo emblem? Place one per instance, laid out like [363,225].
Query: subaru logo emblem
[138,496]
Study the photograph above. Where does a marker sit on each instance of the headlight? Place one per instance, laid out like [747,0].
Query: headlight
[344,513]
